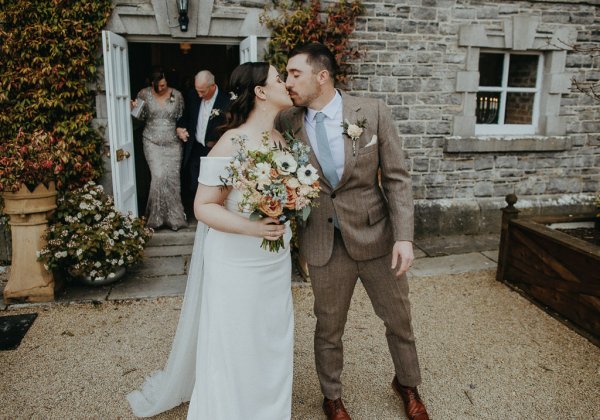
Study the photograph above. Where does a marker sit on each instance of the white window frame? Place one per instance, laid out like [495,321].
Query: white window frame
[512,129]
[520,33]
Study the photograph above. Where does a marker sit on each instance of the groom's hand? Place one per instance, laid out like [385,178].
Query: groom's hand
[402,253]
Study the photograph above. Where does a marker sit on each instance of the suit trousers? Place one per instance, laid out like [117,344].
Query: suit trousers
[333,285]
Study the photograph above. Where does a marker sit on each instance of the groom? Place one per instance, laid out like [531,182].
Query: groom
[361,228]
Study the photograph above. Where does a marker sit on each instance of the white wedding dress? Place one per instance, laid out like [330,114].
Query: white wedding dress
[232,356]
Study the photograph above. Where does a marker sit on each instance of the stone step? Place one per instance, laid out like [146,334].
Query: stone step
[161,266]
[156,251]
[165,237]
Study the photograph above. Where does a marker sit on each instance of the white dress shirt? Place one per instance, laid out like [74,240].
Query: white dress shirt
[206,107]
[333,125]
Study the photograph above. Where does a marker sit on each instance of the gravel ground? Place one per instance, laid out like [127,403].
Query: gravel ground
[486,353]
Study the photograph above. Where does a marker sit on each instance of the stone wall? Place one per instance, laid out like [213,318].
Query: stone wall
[412,62]
[420,59]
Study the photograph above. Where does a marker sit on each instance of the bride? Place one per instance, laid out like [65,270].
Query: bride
[233,350]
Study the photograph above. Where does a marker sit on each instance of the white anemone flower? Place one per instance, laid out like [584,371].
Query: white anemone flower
[286,164]
[307,174]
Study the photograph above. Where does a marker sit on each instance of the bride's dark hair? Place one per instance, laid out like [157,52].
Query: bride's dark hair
[242,82]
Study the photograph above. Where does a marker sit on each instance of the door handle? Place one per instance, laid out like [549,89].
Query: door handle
[122,154]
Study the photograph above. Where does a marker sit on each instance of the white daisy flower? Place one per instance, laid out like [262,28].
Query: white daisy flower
[262,173]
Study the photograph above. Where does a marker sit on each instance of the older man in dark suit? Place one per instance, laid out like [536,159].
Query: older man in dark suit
[204,112]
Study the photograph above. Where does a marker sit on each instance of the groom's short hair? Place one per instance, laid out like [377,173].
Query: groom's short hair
[319,57]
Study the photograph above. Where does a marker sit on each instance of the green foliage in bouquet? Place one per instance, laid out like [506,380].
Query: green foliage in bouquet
[89,237]
[300,22]
[49,53]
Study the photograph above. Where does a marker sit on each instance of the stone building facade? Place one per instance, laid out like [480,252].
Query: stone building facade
[423,59]
[481,92]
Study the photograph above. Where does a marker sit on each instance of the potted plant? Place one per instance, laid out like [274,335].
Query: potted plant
[29,164]
[89,239]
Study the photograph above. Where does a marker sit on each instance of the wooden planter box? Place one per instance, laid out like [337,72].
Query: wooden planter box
[552,268]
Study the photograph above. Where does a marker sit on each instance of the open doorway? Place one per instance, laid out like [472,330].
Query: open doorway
[181,62]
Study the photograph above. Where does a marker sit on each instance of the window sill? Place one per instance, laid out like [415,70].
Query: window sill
[485,144]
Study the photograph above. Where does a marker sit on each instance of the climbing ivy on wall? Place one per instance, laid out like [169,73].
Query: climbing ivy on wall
[49,51]
[299,22]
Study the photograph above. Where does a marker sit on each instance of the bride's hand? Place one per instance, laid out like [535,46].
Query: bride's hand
[269,228]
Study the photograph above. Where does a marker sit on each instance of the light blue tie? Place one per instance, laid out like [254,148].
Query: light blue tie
[325,157]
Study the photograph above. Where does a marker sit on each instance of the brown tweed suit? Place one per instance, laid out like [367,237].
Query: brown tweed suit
[370,219]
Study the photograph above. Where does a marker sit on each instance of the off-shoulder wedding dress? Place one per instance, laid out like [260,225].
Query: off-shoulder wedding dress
[232,356]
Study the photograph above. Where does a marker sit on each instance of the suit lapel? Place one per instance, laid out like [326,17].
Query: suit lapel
[212,122]
[350,114]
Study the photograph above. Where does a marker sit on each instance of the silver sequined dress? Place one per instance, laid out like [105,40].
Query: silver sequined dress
[163,151]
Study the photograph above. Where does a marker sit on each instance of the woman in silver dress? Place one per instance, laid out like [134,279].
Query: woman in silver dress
[163,151]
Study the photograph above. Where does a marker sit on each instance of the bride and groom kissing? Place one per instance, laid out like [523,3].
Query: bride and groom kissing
[232,356]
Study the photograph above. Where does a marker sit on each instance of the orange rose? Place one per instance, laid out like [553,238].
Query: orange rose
[291,198]
[270,207]
[273,173]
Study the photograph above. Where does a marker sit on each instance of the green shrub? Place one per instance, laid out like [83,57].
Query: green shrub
[49,55]
[300,22]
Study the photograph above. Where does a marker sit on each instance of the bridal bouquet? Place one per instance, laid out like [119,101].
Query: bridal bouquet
[275,181]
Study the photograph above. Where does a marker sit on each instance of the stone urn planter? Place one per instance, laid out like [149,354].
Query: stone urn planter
[29,281]
[556,270]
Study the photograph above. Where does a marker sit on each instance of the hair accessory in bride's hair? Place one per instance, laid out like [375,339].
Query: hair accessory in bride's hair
[232,96]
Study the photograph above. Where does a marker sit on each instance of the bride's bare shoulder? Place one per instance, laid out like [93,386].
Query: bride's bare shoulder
[227,144]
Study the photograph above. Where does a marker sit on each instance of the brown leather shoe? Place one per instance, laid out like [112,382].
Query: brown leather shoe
[335,410]
[413,405]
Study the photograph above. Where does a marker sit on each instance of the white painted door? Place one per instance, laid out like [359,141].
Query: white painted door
[120,134]
[248,49]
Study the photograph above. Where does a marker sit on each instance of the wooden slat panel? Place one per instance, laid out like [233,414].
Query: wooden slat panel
[549,294]
[567,307]
[557,270]
[546,258]
[567,241]
[533,277]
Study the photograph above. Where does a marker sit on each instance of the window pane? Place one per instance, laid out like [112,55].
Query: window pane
[490,69]
[519,108]
[488,104]
[522,70]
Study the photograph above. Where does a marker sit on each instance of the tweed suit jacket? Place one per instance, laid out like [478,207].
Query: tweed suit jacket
[371,215]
